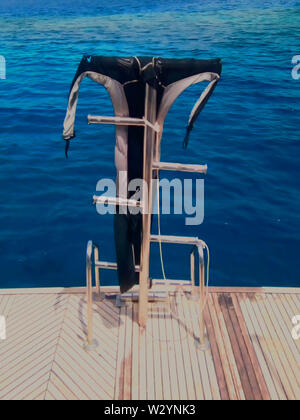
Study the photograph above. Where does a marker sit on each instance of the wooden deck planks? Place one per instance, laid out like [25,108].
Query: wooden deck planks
[192,342]
[216,355]
[171,355]
[274,345]
[183,343]
[252,354]
[251,351]
[233,363]
[177,344]
[244,365]
[164,345]
[154,319]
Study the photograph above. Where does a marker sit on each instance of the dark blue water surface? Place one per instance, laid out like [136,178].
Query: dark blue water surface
[248,134]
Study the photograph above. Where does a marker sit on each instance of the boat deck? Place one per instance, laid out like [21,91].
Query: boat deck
[252,354]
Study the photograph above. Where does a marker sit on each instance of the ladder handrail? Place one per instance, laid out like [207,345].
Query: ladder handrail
[197,247]
[180,167]
[99,119]
[116,201]
[89,291]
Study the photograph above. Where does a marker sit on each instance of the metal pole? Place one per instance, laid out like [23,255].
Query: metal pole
[201,287]
[97,280]
[90,344]
[149,139]
[204,344]
[192,264]
[90,305]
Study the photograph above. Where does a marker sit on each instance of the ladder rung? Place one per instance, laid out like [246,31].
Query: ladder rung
[157,296]
[176,239]
[170,282]
[97,119]
[166,166]
[117,201]
[111,265]
[140,122]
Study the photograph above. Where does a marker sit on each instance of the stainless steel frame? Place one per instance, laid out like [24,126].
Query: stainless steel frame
[151,163]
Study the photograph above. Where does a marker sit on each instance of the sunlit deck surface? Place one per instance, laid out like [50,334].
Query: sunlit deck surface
[252,353]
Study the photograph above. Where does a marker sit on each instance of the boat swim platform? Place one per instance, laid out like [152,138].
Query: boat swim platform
[252,353]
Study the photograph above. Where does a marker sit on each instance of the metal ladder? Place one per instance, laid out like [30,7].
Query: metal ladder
[152,162]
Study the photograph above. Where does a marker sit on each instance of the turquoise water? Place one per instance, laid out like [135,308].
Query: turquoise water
[248,135]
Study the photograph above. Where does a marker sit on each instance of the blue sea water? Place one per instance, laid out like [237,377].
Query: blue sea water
[248,134]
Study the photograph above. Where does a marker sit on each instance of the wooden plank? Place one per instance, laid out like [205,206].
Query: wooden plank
[215,389]
[6,304]
[87,387]
[108,318]
[267,349]
[259,345]
[78,366]
[153,318]
[21,352]
[78,308]
[142,365]
[276,347]
[36,390]
[72,384]
[183,333]
[178,350]
[37,311]
[202,363]
[211,388]
[296,297]
[109,304]
[18,342]
[135,354]
[285,323]
[128,353]
[50,397]
[290,299]
[287,314]
[246,372]
[221,347]
[30,355]
[243,374]
[221,380]
[19,380]
[26,307]
[14,349]
[33,385]
[149,359]
[26,323]
[229,351]
[163,348]
[252,354]
[83,362]
[58,389]
[40,397]
[192,342]
[282,290]
[285,338]
[116,289]
[174,376]
[101,358]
